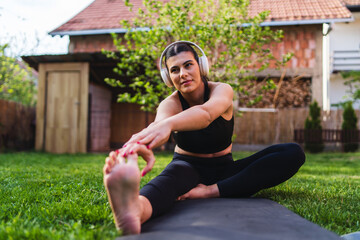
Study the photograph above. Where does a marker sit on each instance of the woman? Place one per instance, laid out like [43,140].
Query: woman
[200,113]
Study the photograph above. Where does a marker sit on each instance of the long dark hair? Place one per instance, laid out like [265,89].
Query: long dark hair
[182,47]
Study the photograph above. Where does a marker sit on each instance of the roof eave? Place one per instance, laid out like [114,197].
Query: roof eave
[124,30]
[93,31]
[306,22]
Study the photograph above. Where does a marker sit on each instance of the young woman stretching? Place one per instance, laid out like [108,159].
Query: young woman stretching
[200,113]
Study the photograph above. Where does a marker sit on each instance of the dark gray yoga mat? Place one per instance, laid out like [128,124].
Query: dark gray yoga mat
[231,219]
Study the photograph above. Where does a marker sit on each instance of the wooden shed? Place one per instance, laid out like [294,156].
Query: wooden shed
[77,111]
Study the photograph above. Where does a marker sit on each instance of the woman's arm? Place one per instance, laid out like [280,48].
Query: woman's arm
[200,116]
[170,118]
[167,108]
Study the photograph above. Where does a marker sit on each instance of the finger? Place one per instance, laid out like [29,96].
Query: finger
[124,152]
[138,148]
[149,165]
[153,141]
[158,141]
[148,139]
[136,137]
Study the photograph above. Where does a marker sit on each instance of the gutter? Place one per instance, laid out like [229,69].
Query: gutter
[306,22]
[94,31]
[270,24]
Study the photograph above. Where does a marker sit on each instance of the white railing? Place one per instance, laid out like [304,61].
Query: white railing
[344,60]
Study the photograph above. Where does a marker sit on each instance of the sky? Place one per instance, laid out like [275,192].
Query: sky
[24,25]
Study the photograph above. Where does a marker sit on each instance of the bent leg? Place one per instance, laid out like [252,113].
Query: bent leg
[261,170]
[175,180]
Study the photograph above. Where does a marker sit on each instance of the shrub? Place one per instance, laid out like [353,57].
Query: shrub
[313,129]
[16,80]
[349,136]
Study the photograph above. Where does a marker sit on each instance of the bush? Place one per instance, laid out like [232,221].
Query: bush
[350,134]
[16,80]
[313,130]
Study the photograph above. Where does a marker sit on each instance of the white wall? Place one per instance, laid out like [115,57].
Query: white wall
[344,36]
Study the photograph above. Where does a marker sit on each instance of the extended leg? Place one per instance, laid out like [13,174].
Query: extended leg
[121,180]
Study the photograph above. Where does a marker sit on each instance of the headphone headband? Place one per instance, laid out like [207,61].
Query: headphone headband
[203,63]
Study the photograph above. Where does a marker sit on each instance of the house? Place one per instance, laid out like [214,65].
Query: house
[343,45]
[87,116]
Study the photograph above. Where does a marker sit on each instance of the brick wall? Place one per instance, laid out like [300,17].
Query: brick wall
[305,42]
[301,41]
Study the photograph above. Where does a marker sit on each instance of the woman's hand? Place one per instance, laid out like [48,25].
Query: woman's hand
[156,134]
[140,150]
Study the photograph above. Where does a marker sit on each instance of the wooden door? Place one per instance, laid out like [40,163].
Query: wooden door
[62,112]
[62,109]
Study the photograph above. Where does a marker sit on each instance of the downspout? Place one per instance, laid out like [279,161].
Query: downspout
[326,66]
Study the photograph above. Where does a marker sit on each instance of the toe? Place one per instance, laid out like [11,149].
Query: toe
[109,161]
[132,159]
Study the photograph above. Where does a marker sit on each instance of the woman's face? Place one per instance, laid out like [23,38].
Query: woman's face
[184,72]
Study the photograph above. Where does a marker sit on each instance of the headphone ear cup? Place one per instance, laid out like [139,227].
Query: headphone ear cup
[166,78]
[204,65]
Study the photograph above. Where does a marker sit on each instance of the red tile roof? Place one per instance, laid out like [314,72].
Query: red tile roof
[106,14]
[101,14]
[295,10]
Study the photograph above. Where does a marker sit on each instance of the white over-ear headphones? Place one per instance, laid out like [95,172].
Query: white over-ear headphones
[203,63]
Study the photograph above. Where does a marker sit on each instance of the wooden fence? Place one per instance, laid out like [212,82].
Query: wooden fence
[326,135]
[277,126]
[17,126]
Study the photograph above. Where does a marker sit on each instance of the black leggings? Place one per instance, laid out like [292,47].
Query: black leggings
[241,178]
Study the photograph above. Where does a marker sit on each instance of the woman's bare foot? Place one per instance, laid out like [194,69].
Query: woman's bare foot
[201,191]
[122,179]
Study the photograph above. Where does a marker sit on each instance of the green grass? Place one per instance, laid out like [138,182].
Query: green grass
[47,196]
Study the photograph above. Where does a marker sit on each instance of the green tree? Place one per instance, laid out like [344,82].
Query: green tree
[16,81]
[313,129]
[353,84]
[349,136]
[235,43]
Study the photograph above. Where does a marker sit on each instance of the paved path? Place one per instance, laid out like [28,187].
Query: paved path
[231,219]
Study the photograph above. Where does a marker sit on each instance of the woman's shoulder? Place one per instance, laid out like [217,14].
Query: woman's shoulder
[172,98]
[171,102]
[220,86]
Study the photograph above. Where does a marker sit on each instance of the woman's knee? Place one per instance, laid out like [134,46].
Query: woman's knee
[296,153]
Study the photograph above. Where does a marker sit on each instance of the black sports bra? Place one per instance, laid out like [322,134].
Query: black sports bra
[214,138]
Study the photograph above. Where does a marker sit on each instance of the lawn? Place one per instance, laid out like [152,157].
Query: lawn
[47,196]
